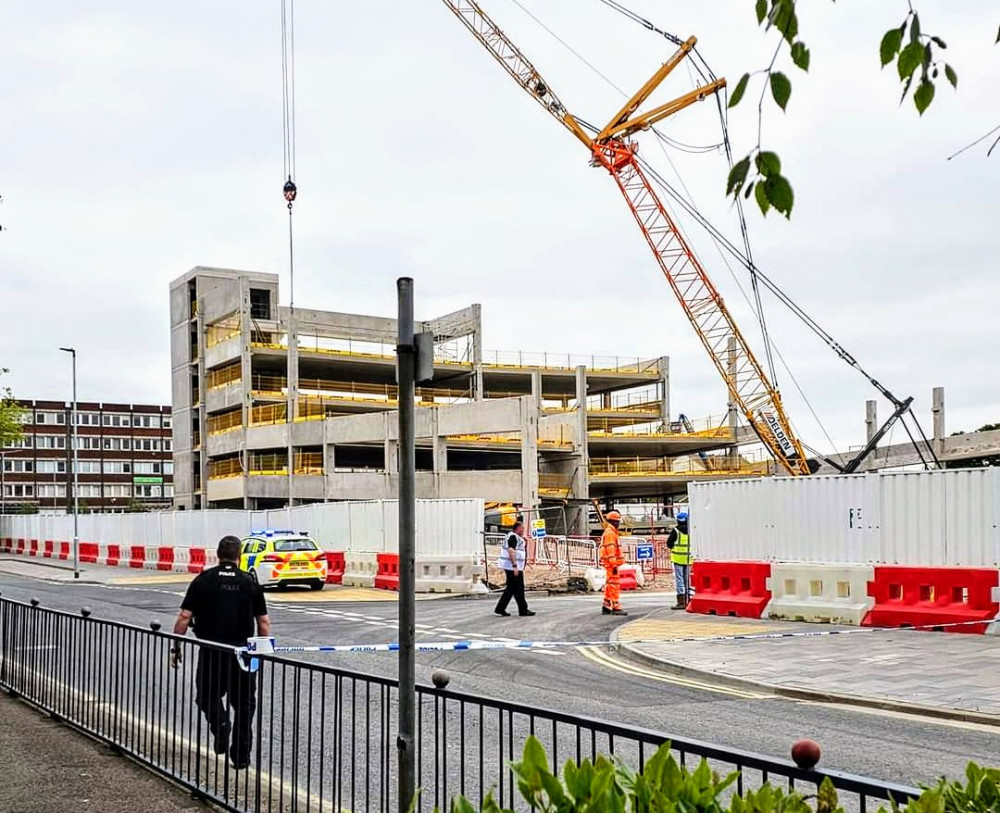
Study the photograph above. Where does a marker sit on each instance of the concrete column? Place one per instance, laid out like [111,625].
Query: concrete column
[293,394]
[663,367]
[581,407]
[581,472]
[605,400]
[732,412]
[529,454]
[246,373]
[477,352]
[937,396]
[440,452]
[536,387]
[201,501]
[391,456]
[871,419]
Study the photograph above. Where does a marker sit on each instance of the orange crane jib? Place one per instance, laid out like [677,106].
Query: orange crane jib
[611,148]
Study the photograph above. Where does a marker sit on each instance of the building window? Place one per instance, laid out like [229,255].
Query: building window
[51,467]
[50,441]
[19,490]
[19,466]
[168,444]
[88,419]
[168,490]
[260,303]
[118,490]
[149,467]
[26,417]
[53,418]
[118,444]
[148,492]
[117,467]
[88,467]
[26,442]
[117,420]
[146,421]
[168,468]
[147,444]
[167,421]
[51,491]
[88,443]
[88,490]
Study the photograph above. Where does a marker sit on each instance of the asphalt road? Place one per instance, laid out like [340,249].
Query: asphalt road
[596,683]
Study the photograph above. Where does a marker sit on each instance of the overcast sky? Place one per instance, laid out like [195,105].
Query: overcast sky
[142,139]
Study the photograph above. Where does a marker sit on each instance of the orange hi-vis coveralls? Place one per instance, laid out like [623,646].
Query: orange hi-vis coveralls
[611,560]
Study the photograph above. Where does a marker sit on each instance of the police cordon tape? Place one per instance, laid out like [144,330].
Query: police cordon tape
[266,645]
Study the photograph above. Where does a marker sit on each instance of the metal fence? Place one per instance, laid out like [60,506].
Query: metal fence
[322,739]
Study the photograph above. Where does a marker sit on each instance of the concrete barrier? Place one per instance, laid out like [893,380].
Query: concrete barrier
[360,569]
[448,574]
[596,578]
[834,594]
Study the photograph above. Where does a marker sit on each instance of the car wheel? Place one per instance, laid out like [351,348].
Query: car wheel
[318,585]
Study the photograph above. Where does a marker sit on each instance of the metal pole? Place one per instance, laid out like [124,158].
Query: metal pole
[76,474]
[405,359]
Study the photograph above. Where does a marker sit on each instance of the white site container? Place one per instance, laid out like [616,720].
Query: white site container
[927,518]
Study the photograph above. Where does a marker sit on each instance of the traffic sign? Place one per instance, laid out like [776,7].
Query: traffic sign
[644,553]
[538,528]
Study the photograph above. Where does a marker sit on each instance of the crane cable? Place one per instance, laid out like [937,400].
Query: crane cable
[290,190]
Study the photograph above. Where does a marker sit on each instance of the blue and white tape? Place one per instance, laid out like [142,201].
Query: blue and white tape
[267,646]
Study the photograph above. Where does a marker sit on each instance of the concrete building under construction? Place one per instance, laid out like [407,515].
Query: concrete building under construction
[272,405]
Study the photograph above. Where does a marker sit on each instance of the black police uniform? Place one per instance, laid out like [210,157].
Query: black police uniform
[225,602]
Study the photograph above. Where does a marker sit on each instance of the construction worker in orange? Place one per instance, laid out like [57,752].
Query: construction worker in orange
[611,560]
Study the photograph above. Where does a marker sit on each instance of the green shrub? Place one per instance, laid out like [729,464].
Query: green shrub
[664,786]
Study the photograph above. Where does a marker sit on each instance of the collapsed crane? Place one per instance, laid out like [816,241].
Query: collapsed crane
[613,149]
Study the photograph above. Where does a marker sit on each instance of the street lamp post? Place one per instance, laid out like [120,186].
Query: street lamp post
[76,474]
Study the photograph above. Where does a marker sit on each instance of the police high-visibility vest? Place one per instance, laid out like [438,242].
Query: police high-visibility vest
[680,554]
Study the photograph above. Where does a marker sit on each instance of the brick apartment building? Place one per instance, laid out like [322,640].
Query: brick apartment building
[125,458]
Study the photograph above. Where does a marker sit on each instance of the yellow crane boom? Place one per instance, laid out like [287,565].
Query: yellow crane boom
[611,148]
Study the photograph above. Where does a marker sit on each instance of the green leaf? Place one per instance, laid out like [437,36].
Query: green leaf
[800,55]
[923,96]
[779,193]
[781,88]
[768,163]
[737,176]
[761,11]
[534,757]
[783,18]
[890,45]
[761,196]
[952,76]
[915,28]
[739,90]
[910,58]
[940,43]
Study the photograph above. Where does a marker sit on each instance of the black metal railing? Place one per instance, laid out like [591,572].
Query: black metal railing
[321,738]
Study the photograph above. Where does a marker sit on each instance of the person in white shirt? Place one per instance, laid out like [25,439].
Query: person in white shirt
[512,556]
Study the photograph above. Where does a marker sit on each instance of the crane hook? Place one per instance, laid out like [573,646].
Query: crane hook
[290,190]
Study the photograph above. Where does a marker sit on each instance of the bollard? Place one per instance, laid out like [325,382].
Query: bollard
[85,612]
[805,754]
[440,678]
[155,626]
[35,602]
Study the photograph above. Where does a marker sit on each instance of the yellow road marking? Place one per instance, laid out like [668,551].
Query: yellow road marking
[598,656]
[152,578]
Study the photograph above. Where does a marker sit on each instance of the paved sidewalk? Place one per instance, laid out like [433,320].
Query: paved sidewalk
[49,768]
[947,673]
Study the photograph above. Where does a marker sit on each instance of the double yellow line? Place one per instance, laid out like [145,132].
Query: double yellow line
[600,657]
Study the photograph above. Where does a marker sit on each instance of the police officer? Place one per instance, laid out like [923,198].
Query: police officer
[224,603]
[679,542]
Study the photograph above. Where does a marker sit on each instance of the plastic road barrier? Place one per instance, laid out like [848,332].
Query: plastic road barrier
[833,594]
[729,588]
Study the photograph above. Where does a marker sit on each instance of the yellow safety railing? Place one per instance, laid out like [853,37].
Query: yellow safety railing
[229,467]
[224,422]
[555,485]
[268,464]
[224,375]
[217,334]
[308,462]
[690,466]
[268,414]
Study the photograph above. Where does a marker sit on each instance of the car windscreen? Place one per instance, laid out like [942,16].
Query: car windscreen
[293,545]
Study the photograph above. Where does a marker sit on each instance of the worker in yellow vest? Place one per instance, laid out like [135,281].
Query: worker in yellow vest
[679,543]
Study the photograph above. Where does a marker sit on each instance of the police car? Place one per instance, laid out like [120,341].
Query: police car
[281,557]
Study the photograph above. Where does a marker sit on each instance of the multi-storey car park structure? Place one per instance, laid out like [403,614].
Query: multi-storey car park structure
[273,404]
[124,458]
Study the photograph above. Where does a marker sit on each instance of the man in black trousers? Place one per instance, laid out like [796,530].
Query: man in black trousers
[512,556]
[226,605]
